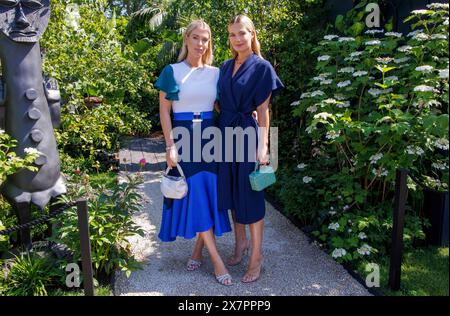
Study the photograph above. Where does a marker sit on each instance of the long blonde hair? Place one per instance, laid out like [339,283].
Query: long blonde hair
[207,57]
[248,23]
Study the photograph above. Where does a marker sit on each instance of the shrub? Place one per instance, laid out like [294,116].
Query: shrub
[378,102]
[110,223]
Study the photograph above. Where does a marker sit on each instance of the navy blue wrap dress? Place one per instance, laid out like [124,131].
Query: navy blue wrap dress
[239,96]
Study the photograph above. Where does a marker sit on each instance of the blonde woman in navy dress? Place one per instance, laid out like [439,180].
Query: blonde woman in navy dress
[189,89]
[247,83]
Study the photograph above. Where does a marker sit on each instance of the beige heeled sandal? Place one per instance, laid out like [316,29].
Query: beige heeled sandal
[222,279]
[193,264]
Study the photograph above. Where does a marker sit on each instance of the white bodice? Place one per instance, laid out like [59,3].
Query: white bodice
[198,88]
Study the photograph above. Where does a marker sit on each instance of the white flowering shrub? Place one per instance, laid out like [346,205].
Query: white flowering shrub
[378,102]
[10,162]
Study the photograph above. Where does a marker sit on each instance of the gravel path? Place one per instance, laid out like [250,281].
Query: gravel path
[293,266]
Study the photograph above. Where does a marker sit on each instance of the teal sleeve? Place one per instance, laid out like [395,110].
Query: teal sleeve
[166,82]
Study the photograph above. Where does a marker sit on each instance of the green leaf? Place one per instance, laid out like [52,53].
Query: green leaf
[339,23]
[356,28]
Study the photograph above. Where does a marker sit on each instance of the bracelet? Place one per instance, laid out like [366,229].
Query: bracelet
[170,147]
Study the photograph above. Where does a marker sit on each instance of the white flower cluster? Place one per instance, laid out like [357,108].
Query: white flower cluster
[326,81]
[414,33]
[425,69]
[344,84]
[391,78]
[323,58]
[421,37]
[302,166]
[424,88]
[307,179]
[364,250]
[439,165]
[334,226]
[338,252]
[404,49]
[356,54]
[330,101]
[305,95]
[312,109]
[420,12]
[382,172]
[394,34]
[31,150]
[384,60]
[346,39]
[415,150]
[374,31]
[439,36]
[443,73]
[438,6]
[374,158]
[434,103]
[376,92]
[323,116]
[2,131]
[341,105]
[346,70]
[373,43]
[441,143]
[322,77]
[317,93]
[332,135]
[362,235]
[295,103]
[340,97]
[360,73]
[330,37]
[401,60]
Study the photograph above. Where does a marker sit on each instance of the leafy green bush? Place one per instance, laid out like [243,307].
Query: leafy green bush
[377,103]
[110,223]
[29,275]
[10,162]
[83,50]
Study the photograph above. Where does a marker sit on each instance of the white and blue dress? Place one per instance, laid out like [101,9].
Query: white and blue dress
[193,92]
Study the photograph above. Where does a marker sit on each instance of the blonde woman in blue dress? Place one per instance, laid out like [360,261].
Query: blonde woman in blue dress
[189,89]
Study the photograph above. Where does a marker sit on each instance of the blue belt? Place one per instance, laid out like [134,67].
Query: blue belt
[192,116]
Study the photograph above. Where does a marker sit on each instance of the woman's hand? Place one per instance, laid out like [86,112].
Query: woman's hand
[262,155]
[172,156]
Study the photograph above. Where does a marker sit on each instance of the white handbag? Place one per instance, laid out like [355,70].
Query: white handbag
[173,187]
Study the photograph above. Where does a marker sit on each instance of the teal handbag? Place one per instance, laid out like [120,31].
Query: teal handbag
[262,177]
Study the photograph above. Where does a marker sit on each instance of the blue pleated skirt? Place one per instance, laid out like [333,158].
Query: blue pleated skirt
[198,211]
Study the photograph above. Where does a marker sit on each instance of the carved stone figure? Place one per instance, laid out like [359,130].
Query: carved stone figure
[32,106]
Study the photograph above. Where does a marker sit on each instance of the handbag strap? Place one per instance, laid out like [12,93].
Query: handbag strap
[179,170]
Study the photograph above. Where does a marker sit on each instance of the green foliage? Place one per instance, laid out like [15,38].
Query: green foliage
[10,161]
[28,275]
[424,273]
[110,223]
[375,104]
[83,50]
